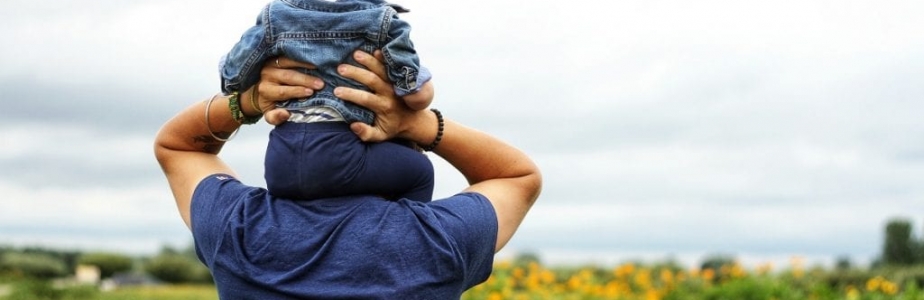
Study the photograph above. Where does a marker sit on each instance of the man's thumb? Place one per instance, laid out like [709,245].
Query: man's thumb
[365,132]
[276,116]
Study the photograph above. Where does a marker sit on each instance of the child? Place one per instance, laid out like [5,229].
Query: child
[314,154]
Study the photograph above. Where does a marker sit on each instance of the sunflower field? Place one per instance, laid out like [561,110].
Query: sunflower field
[634,281]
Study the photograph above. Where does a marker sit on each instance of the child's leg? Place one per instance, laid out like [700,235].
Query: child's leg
[284,162]
[318,160]
[392,166]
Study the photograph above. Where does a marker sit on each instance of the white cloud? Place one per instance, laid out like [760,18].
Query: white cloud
[744,123]
[136,219]
[682,228]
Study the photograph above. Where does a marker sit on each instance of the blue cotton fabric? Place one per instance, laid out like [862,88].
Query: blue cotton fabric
[359,247]
[326,159]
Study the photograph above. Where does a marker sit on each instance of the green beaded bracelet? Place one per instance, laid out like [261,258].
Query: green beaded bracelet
[234,103]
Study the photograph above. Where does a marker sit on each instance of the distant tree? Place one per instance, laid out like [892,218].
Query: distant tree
[68,257]
[843,263]
[178,266]
[899,246]
[716,262]
[36,265]
[526,258]
[167,250]
[919,249]
[108,263]
[170,268]
[669,264]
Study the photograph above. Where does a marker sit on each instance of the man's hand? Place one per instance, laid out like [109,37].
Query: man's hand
[392,117]
[280,81]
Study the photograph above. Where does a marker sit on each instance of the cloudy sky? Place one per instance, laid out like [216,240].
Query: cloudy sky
[663,128]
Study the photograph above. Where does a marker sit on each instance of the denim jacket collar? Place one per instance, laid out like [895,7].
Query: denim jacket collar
[343,5]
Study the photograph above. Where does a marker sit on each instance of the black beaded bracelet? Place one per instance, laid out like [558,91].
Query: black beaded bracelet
[439,131]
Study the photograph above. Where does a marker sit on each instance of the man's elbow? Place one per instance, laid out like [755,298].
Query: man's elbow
[161,151]
[533,185]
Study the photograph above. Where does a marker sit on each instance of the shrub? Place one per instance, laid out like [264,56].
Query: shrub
[108,263]
[45,290]
[177,268]
[33,265]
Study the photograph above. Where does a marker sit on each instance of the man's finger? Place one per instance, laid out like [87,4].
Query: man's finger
[275,93]
[283,62]
[291,77]
[359,97]
[365,77]
[373,64]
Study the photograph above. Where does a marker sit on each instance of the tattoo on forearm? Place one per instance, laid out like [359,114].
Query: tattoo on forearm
[210,144]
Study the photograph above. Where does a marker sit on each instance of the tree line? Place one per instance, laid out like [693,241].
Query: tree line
[900,248]
[169,266]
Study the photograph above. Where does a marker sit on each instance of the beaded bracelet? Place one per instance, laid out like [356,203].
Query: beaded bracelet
[234,103]
[439,130]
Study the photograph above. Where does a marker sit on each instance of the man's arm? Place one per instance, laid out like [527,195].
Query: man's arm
[496,170]
[187,151]
[500,172]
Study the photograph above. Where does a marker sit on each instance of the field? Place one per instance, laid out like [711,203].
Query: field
[531,280]
[42,291]
[628,281]
[186,292]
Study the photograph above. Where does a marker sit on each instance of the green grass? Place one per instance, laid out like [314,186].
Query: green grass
[43,290]
[166,292]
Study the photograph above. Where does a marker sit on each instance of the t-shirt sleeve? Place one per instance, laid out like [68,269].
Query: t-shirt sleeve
[212,202]
[469,219]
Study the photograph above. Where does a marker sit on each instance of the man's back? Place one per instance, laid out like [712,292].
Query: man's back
[258,246]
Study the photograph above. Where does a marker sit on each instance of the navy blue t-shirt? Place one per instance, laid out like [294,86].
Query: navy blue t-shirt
[359,247]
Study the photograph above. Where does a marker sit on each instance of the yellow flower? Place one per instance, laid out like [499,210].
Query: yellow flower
[652,295]
[888,287]
[695,273]
[852,293]
[764,269]
[708,274]
[643,278]
[873,284]
[518,273]
[667,276]
[737,271]
[547,277]
[798,266]
[534,267]
[574,282]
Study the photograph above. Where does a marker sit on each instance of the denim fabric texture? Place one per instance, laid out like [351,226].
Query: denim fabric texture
[325,33]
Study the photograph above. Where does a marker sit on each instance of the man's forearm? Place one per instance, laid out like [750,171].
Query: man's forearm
[480,156]
[188,130]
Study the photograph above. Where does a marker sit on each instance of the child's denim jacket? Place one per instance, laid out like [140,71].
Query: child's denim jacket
[325,33]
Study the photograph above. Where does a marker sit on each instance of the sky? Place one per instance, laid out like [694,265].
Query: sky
[664,129]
